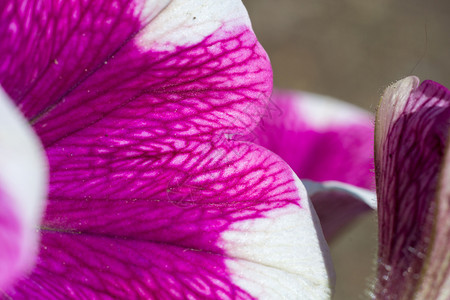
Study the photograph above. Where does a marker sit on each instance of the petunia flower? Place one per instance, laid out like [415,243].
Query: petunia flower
[412,164]
[138,105]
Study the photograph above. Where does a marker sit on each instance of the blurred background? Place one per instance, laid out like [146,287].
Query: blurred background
[352,50]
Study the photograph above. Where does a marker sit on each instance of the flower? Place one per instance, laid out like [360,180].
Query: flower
[412,166]
[137,104]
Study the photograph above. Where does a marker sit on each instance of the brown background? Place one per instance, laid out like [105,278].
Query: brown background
[352,50]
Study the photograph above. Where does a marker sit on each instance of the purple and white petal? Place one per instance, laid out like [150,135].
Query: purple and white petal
[157,64]
[323,140]
[50,47]
[23,182]
[143,161]
[255,239]
[411,137]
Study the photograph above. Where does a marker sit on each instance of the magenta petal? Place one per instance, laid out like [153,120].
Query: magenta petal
[113,62]
[194,236]
[91,267]
[411,135]
[319,137]
[168,200]
[322,139]
[50,47]
[11,241]
[191,91]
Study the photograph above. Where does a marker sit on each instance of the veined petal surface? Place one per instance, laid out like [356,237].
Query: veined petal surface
[436,276]
[411,137]
[150,195]
[322,139]
[23,181]
[50,47]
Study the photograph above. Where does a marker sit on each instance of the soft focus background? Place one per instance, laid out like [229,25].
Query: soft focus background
[352,50]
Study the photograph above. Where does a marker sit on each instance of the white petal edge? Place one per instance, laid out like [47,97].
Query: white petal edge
[23,176]
[366,196]
[283,255]
[149,9]
[391,108]
[188,22]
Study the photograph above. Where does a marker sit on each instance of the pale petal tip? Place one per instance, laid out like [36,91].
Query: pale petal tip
[187,22]
[391,106]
